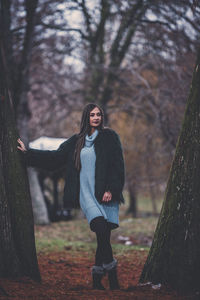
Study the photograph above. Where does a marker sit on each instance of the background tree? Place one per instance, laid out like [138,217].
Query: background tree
[152,97]
[19,67]
[114,29]
[17,244]
[174,256]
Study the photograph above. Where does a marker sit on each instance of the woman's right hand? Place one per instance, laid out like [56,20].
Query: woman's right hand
[22,146]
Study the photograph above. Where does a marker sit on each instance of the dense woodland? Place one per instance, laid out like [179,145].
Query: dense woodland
[135,58]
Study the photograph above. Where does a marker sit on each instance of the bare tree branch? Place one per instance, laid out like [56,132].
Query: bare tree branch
[61,28]
[87,18]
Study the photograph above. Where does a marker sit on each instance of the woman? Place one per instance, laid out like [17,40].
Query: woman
[94,178]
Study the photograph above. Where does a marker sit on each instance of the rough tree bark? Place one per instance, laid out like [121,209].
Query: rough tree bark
[174,257]
[17,243]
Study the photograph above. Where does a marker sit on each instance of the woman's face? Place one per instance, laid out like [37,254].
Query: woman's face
[95,117]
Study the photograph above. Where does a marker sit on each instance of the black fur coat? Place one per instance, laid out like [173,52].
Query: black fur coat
[109,172]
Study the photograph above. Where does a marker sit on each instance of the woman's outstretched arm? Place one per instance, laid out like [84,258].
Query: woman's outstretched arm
[47,159]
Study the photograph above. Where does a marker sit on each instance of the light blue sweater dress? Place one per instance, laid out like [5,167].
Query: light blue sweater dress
[88,202]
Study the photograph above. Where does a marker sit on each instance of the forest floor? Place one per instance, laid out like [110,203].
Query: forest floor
[66,254]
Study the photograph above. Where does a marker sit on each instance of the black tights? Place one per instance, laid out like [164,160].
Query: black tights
[104,250]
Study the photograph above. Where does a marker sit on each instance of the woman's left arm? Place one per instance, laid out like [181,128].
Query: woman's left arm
[116,169]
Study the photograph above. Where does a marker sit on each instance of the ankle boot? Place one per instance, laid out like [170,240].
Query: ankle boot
[113,280]
[111,268]
[97,275]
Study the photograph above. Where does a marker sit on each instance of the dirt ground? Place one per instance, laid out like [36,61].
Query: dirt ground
[67,275]
[66,253]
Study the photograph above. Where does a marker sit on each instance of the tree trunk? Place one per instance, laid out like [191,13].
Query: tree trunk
[174,257]
[103,65]
[21,89]
[150,174]
[39,206]
[17,243]
[153,199]
[133,200]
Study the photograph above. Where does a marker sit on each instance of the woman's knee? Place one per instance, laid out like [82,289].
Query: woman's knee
[99,225]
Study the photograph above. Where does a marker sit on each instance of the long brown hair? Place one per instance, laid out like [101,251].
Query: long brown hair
[84,130]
